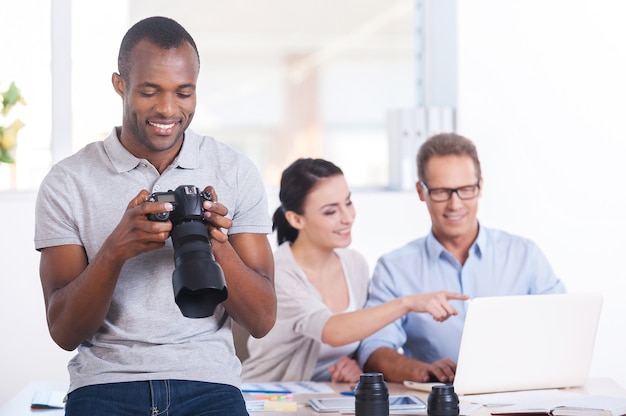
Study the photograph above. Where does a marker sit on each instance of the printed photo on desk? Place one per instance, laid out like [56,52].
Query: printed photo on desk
[287,387]
[397,403]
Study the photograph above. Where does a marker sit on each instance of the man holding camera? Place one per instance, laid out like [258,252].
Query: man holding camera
[106,268]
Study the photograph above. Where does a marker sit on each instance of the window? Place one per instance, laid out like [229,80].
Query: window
[279,79]
[27,63]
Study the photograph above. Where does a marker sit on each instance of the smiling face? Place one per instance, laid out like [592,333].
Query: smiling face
[328,214]
[159,97]
[454,221]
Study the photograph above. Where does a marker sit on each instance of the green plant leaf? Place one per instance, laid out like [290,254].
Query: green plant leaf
[11,97]
[5,158]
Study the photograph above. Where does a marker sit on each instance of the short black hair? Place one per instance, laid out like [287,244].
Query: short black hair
[162,31]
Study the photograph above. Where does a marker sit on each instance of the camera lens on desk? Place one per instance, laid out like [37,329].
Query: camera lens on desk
[443,401]
[371,395]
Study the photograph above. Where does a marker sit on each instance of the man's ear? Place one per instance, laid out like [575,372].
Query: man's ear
[294,219]
[118,84]
[420,190]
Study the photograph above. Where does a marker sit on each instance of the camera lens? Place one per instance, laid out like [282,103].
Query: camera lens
[371,395]
[443,401]
[198,280]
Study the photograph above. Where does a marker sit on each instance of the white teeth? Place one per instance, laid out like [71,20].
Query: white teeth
[162,126]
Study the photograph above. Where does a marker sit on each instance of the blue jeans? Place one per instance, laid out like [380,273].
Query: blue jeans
[157,397]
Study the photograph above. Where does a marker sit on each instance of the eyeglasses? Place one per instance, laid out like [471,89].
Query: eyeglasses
[444,194]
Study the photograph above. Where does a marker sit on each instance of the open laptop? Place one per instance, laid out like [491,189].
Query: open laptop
[529,342]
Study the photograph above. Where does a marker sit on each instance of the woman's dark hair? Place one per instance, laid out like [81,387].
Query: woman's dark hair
[295,184]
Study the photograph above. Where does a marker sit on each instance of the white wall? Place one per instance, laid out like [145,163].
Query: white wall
[541,91]
[27,353]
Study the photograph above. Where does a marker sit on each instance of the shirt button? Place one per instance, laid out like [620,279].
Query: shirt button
[157,187]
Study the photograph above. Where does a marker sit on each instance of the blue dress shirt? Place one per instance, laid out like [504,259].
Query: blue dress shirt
[498,264]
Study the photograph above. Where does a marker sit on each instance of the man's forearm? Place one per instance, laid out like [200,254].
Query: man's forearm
[396,367]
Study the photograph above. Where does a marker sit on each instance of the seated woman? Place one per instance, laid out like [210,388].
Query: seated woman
[322,285]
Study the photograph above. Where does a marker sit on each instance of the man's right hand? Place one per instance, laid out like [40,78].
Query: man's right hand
[397,367]
[136,234]
[442,370]
[77,290]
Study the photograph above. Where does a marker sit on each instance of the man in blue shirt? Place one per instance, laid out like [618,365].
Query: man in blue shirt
[458,255]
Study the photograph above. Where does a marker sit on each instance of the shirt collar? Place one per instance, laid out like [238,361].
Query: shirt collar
[189,155]
[124,161]
[480,244]
[435,249]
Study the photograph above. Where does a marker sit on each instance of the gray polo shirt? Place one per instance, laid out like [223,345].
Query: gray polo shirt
[144,335]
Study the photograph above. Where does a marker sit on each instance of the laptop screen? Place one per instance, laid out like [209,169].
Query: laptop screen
[528,342]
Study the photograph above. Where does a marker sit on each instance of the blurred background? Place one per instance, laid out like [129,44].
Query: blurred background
[539,86]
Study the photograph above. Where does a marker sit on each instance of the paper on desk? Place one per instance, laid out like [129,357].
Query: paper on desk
[268,405]
[467,408]
[583,405]
[295,387]
[48,400]
[518,397]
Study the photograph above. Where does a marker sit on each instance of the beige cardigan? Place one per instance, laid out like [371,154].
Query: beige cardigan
[290,350]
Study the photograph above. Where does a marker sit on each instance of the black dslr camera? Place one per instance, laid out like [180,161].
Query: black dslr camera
[198,280]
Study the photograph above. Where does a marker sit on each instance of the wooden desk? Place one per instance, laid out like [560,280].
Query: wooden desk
[20,404]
